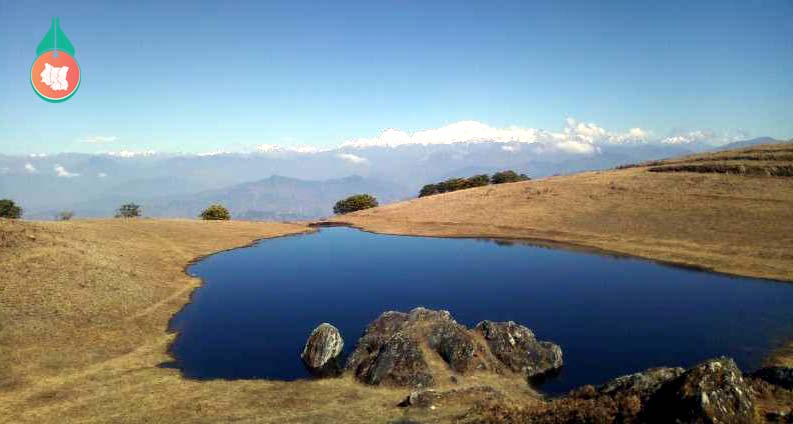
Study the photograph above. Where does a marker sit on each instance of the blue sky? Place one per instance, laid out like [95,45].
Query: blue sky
[202,76]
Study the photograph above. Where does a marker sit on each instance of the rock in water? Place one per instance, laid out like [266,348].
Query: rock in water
[398,348]
[385,354]
[322,352]
[516,346]
[711,392]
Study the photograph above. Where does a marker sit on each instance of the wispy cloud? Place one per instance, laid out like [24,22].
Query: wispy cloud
[131,153]
[101,175]
[60,171]
[354,159]
[214,153]
[276,148]
[30,168]
[99,139]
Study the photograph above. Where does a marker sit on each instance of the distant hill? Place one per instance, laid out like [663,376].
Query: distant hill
[752,142]
[276,198]
[93,185]
[729,211]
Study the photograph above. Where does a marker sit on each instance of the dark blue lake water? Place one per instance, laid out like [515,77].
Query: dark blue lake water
[611,315]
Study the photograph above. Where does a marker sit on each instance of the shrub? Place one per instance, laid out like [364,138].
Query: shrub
[64,216]
[454,184]
[429,190]
[355,203]
[216,212]
[8,209]
[478,180]
[129,210]
[508,177]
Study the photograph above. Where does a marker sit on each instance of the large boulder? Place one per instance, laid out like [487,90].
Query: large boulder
[399,362]
[405,349]
[386,355]
[322,352]
[618,400]
[455,345]
[516,347]
[711,392]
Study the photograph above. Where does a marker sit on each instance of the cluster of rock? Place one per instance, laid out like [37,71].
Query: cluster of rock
[711,392]
[399,349]
[419,348]
[714,391]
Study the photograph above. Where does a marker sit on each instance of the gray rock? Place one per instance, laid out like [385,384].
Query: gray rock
[322,352]
[385,355]
[516,347]
[390,351]
[711,392]
[454,344]
[400,362]
[641,384]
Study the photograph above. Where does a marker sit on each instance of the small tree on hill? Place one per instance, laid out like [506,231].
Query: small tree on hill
[508,177]
[452,184]
[429,190]
[129,210]
[8,209]
[216,212]
[64,216]
[477,181]
[355,203]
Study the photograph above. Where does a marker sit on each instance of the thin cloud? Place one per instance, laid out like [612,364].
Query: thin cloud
[99,139]
[354,159]
[61,172]
[30,168]
[131,153]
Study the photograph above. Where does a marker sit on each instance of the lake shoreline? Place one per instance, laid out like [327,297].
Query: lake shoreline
[538,241]
[224,280]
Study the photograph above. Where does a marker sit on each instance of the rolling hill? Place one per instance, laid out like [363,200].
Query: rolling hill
[729,211]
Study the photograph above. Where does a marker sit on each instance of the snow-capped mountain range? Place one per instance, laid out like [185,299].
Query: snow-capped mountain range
[395,163]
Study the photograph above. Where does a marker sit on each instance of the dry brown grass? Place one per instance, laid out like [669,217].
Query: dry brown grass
[737,224]
[84,307]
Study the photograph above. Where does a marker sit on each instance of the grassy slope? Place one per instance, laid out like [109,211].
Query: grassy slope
[84,307]
[738,224]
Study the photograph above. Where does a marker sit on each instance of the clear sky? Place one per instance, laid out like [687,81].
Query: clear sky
[200,76]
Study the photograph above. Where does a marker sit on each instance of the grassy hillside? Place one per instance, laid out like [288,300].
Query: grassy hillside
[728,211]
